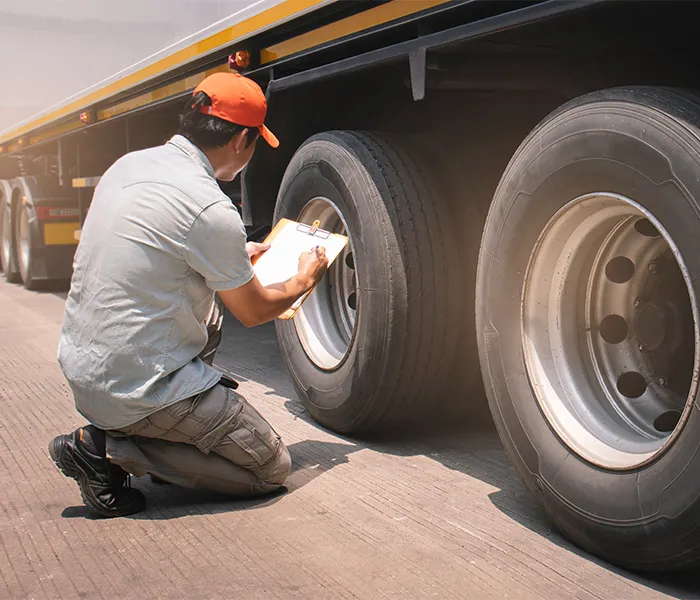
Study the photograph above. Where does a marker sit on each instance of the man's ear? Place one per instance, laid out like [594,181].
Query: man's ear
[239,141]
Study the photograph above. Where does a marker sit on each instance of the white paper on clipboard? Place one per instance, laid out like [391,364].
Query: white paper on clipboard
[288,240]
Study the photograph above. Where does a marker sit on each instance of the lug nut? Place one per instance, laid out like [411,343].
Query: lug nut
[637,302]
[662,381]
[640,347]
[652,266]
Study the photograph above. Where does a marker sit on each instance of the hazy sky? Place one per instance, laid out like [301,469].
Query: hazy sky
[51,49]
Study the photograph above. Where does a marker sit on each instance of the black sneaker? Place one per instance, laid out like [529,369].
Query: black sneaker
[101,483]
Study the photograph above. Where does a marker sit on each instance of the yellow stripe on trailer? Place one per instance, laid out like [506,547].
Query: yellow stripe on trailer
[372,17]
[354,24]
[378,15]
[162,93]
[280,12]
[60,234]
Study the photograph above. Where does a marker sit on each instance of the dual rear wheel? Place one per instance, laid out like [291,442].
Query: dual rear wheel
[587,311]
[17,244]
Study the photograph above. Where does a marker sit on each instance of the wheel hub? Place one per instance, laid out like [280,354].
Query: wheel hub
[326,321]
[609,331]
[650,326]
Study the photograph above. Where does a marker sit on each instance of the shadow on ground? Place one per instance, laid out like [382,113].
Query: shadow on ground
[477,452]
[465,443]
[167,501]
[685,584]
[468,446]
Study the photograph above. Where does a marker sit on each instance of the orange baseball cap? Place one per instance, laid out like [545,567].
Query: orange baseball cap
[238,100]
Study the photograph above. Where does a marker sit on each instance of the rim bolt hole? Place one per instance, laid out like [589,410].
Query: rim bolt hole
[352,301]
[631,384]
[666,422]
[645,227]
[613,329]
[619,270]
[350,261]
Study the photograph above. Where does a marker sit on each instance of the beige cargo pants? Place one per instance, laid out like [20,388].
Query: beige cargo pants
[215,440]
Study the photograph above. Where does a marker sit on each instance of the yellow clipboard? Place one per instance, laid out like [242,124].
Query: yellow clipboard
[288,240]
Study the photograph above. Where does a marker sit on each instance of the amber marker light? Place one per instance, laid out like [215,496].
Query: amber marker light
[239,61]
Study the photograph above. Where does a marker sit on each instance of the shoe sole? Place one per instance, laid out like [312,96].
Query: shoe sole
[65,463]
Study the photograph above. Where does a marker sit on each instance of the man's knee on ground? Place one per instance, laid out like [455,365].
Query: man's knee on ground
[276,471]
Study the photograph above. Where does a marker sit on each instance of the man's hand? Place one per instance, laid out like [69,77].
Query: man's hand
[252,304]
[314,264]
[255,250]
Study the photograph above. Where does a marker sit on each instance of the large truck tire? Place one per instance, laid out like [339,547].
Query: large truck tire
[587,322]
[5,193]
[43,225]
[24,247]
[373,345]
[8,256]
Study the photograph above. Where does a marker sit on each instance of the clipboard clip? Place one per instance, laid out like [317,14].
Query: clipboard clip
[313,230]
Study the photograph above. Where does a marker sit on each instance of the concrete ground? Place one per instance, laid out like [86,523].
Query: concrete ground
[441,515]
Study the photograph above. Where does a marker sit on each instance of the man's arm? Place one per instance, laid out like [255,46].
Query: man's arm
[216,248]
[252,304]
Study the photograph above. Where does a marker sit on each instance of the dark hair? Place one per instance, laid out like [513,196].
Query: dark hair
[206,131]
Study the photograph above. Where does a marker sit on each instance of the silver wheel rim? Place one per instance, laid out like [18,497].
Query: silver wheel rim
[610,332]
[326,321]
[6,239]
[23,239]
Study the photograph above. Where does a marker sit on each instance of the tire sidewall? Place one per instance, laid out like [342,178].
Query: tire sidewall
[25,275]
[4,262]
[603,147]
[321,168]
[8,264]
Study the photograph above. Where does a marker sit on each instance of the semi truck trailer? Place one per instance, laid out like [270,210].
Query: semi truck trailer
[520,185]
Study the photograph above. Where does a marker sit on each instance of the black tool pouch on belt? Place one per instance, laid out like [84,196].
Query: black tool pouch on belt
[226,381]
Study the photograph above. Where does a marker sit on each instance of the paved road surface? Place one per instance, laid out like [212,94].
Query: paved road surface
[442,516]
